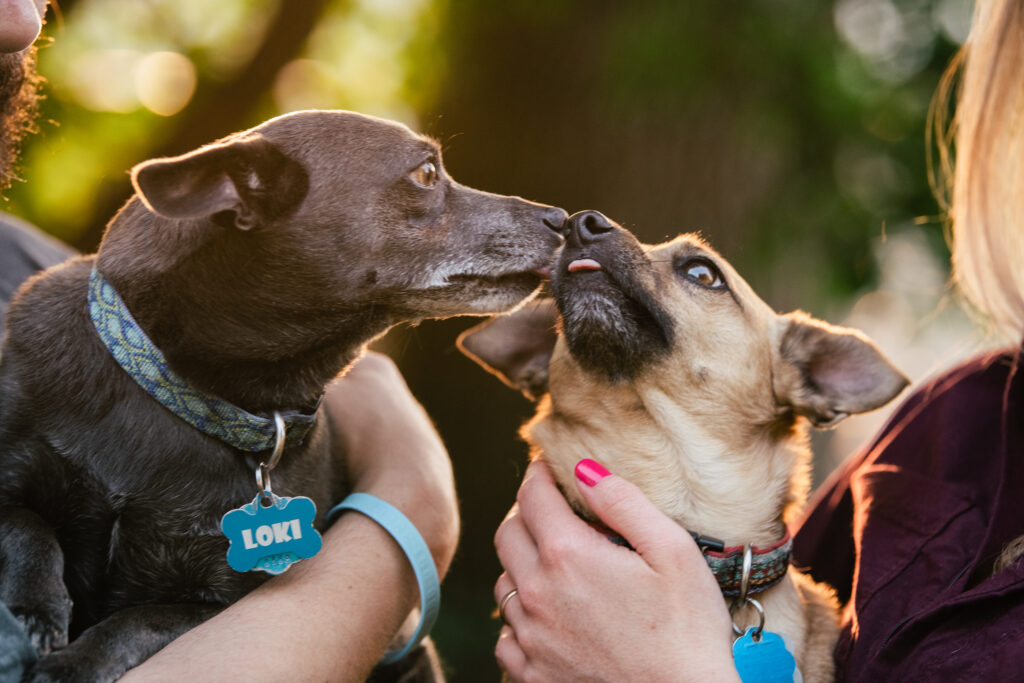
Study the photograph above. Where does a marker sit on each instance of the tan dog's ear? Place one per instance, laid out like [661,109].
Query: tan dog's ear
[827,373]
[242,182]
[516,347]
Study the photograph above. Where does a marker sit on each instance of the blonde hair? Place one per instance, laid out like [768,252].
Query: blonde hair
[987,207]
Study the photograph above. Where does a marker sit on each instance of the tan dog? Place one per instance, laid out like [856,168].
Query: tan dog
[673,373]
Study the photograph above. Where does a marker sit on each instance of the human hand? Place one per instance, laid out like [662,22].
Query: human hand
[588,609]
[394,452]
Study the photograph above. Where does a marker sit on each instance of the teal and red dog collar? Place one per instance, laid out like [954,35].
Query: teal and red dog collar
[145,363]
[769,565]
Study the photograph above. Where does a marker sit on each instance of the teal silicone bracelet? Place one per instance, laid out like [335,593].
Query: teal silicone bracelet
[412,544]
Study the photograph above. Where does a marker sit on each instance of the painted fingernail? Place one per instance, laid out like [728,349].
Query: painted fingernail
[590,472]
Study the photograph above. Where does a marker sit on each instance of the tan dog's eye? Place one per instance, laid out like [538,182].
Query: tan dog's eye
[425,174]
[703,273]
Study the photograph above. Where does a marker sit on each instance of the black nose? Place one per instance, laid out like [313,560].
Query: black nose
[555,218]
[589,226]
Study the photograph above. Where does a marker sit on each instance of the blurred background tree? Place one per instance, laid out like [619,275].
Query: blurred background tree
[791,133]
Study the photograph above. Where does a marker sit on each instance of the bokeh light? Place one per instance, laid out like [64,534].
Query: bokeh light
[165,82]
[895,39]
[305,84]
[103,80]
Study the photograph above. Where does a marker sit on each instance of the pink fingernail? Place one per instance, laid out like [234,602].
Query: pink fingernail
[590,472]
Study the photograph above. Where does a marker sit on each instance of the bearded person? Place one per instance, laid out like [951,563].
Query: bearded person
[19,94]
[23,249]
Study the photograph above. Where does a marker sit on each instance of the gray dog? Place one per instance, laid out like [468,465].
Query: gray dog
[247,273]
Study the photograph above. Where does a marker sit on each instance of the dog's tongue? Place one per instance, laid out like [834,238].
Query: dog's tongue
[582,264]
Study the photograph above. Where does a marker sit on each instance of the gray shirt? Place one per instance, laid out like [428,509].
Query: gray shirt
[24,250]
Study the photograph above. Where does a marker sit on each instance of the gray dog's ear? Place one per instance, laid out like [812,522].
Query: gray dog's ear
[516,347]
[243,182]
[827,373]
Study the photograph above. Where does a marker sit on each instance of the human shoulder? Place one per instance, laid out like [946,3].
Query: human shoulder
[28,247]
[24,250]
[968,393]
[948,428]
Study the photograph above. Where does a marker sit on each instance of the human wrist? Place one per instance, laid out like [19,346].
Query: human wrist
[716,662]
[720,669]
[713,663]
[416,552]
[393,451]
[427,501]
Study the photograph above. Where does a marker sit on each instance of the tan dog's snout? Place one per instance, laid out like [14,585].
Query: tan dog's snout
[586,227]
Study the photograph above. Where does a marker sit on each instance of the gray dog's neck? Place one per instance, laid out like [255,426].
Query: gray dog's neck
[254,341]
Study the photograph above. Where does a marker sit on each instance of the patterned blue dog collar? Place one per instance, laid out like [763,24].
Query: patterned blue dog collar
[141,359]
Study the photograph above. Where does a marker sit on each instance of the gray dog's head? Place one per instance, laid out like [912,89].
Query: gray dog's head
[360,206]
[312,233]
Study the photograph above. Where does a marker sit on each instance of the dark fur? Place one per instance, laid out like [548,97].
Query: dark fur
[260,266]
[613,325]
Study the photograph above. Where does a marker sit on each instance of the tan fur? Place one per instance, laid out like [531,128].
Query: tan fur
[714,433]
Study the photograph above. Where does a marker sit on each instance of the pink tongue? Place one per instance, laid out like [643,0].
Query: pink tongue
[584,264]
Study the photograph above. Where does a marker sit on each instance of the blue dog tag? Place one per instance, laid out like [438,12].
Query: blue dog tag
[765,660]
[271,538]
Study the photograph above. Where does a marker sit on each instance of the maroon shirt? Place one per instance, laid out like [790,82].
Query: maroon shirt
[907,533]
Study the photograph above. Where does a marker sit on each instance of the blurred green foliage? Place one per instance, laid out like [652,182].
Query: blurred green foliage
[790,132]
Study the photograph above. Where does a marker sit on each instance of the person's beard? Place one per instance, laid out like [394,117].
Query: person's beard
[19,99]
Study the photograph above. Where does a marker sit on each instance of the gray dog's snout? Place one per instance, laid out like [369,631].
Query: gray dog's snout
[555,219]
[589,226]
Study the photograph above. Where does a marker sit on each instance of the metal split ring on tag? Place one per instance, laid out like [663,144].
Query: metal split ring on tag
[759,655]
[263,469]
[760,617]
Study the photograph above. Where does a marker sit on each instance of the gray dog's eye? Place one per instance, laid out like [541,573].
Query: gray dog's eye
[703,272]
[425,175]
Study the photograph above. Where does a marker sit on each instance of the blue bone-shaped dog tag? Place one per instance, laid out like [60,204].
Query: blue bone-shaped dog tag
[765,660]
[271,538]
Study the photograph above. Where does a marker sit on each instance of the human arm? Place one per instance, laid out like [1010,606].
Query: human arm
[394,452]
[588,609]
[332,617]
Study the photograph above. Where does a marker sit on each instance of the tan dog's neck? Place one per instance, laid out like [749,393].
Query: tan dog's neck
[740,486]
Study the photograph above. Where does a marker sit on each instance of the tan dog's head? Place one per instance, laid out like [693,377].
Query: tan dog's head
[669,369]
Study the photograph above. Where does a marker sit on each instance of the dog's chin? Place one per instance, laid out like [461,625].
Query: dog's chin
[484,295]
[610,333]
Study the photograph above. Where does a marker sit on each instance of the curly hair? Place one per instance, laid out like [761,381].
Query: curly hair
[19,100]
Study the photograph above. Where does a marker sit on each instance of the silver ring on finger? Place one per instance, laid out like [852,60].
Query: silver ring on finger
[504,602]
